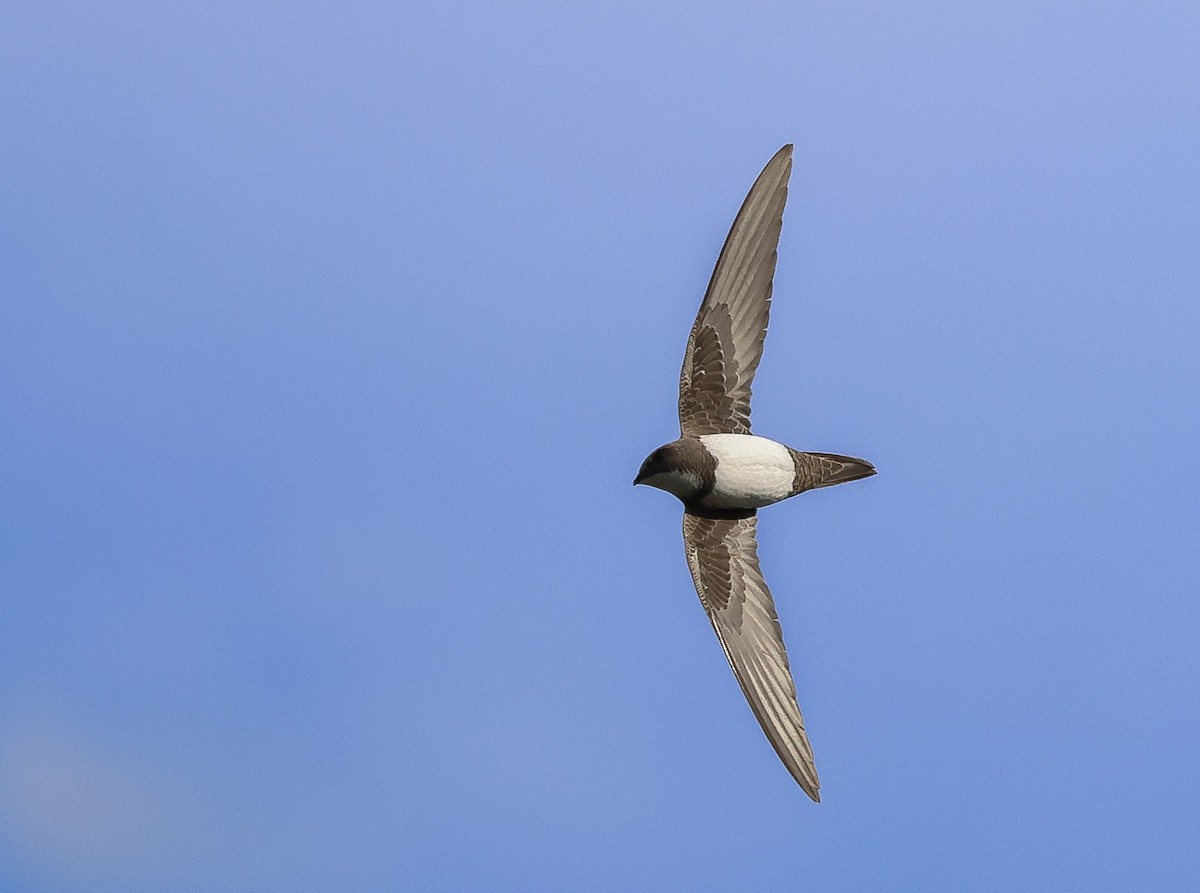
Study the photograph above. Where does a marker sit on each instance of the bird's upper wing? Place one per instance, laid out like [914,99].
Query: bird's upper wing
[722,555]
[726,340]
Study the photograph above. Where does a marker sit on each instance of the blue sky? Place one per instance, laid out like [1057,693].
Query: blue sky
[333,334]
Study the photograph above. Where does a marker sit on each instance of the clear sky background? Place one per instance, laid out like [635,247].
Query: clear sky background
[332,335]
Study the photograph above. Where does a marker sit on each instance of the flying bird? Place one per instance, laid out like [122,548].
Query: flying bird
[722,473]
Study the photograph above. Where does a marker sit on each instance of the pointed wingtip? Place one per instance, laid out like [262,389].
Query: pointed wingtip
[775,173]
[810,786]
[782,157]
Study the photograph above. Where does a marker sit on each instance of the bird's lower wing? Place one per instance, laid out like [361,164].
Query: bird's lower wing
[722,554]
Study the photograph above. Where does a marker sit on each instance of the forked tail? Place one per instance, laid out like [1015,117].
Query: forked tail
[815,470]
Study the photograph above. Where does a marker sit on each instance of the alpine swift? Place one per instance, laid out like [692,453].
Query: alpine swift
[722,473]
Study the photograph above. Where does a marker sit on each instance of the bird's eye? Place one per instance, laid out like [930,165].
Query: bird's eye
[656,456]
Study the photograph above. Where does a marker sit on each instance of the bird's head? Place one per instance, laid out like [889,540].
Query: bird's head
[674,467]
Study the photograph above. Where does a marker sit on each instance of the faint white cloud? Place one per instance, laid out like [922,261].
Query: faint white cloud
[77,813]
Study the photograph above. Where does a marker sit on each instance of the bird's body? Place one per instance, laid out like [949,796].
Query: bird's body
[742,471]
[751,471]
[722,473]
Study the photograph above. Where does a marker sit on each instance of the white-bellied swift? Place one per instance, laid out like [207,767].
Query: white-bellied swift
[723,473]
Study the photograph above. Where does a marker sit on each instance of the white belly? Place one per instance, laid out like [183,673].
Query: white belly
[751,471]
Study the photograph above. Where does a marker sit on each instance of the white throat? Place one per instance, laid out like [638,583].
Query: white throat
[678,483]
